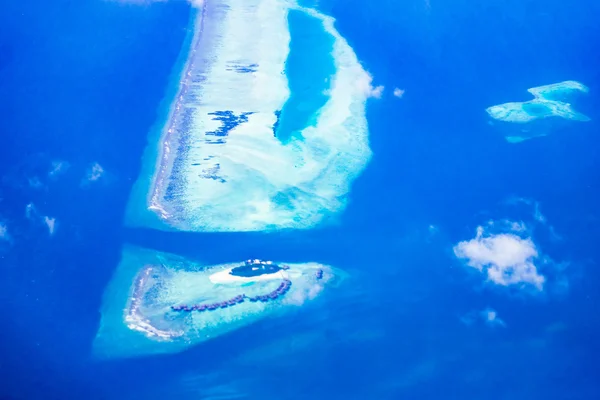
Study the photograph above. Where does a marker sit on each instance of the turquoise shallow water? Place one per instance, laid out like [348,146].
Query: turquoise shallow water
[308,77]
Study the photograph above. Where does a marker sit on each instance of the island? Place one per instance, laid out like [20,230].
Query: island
[163,303]
[540,116]
[234,147]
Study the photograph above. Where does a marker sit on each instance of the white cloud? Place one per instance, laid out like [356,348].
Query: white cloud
[51,224]
[489,316]
[506,259]
[517,226]
[366,87]
[376,91]
[398,92]
[32,214]
[4,236]
[507,225]
[58,167]
[94,173]
[30,211]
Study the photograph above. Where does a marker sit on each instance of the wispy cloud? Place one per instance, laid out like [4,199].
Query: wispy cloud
[58,168]
[299,297]
[51,224]
[30,211]
[536,213]
[488,316]
[32,214]
[491,318]
[433,229]
[398,92]
[35,183]
[4,236]
[93,174]
[505,258]
[508,226]
[365,85]
[516,226]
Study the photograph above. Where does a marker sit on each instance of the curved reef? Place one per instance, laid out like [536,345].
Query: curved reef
[213,162]
[159,303]
[538,117]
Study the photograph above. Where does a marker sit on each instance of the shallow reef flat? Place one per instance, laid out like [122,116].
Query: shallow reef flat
[538,117]
[214,162]
[162,303]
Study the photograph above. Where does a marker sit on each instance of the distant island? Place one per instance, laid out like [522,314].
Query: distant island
[538,117]
[160,303]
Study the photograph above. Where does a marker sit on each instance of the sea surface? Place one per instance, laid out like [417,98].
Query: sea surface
[81,83]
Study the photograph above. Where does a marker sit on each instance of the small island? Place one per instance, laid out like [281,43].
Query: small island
[162,303]
[541,115]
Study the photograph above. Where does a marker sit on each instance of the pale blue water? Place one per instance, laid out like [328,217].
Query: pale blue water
[81,82]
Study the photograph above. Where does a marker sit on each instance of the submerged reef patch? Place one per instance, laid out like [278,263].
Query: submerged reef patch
[537,117]
[218,165]
[161,303]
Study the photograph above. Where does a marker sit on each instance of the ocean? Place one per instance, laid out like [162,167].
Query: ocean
[82,83]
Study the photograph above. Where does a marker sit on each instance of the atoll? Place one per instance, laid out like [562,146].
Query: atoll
[159,303]
[213,162]
[537,117]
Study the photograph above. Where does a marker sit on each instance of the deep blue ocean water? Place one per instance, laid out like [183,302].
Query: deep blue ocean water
[81,82]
